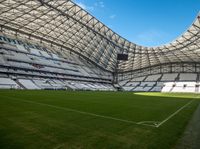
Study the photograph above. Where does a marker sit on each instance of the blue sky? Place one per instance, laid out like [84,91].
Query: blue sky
[144,22]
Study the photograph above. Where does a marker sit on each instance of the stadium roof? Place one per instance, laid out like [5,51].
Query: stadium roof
[64,25]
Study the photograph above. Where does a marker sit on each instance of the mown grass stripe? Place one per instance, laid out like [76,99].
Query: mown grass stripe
[82,112]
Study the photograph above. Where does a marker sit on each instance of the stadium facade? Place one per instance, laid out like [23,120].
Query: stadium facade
[55,44]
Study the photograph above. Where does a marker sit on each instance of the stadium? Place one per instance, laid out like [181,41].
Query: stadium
[69,81]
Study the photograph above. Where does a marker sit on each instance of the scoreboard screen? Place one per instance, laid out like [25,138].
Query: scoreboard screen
[123,57]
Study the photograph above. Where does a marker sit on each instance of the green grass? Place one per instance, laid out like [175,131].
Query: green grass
[92,120]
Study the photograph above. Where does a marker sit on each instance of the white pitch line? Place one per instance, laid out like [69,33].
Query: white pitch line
[82,112]
[173,114]
[145,122]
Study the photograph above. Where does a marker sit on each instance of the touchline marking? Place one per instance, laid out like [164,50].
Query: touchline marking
[82,112]
[173,114]
[144,123]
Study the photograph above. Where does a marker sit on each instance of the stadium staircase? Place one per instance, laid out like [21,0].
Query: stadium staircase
[197,88]
[118,87]
[21,85]
[35,83]
[178,77]
[159,79]
[144,78]
[198,77]
[135,87]
[153,86]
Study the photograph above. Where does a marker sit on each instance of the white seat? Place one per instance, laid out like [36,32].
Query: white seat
[153,77]
[169,77]
[7,83]
[28,84]
[188,77]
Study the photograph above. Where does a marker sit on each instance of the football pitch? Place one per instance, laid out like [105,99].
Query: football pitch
[93,120]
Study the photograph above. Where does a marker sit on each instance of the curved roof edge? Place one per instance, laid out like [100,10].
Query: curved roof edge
[66,26]
[177,40]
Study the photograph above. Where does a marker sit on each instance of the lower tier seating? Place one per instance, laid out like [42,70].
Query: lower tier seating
[51,84]
[190,87]
[28,84]
[174,82]
[8,83]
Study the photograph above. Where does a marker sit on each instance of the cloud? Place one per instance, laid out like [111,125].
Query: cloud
[99,4]
[150,37]
[110,26]
[112,16]
[84,6]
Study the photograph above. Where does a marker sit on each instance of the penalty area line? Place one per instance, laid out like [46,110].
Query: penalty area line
[173,114]
[82,112]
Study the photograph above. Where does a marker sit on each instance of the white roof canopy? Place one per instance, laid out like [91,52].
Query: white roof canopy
[65,25]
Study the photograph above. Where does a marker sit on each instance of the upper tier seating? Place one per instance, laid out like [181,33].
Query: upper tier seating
[21,48]
[153,77]
[138,79]
[46,61]
[121,83]
[187,77]
[169,77]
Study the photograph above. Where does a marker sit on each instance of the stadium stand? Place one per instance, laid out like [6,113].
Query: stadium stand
[187,82]
[81,54]
[184,87]
[153,77]
[169,77]
[7,83]
[168,87]
[42,66]
[28,84]
[188,77]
